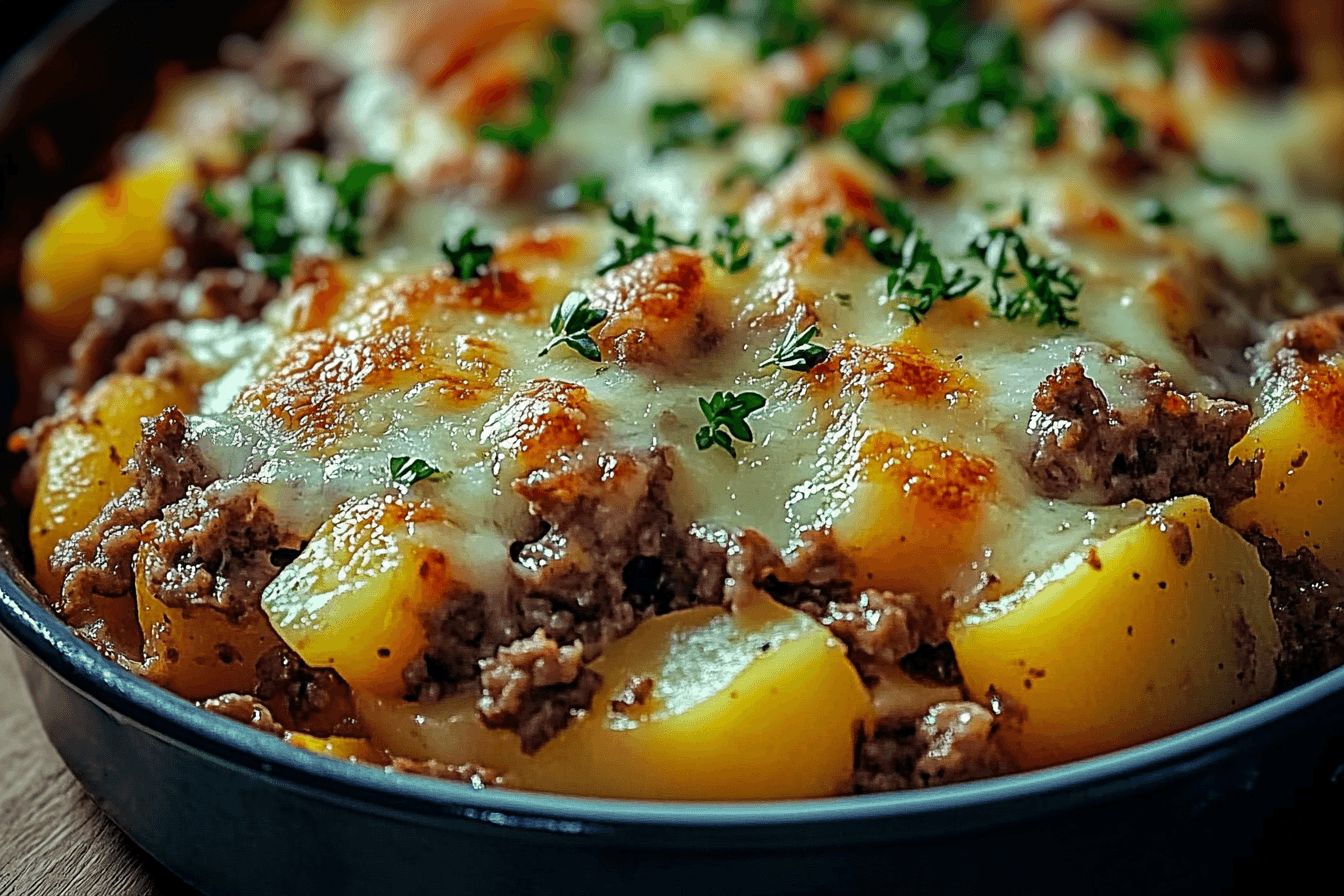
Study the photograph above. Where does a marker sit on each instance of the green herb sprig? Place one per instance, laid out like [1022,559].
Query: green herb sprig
[543,96]
[726,415]
[408,471]
[1280,230]
[647,239]
[937,283]
[732,246]
[796,351]
[570,324]
[1049,289]
[468,259]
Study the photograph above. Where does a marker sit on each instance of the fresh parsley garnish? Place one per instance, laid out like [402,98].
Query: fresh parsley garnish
[1217,178]
[1116,122]
[732,246]
[570,322]
[588,190]
[632,24]
[684,123]
[1048,291]
[1160,28]
[409,471]
[646,239]
[1045,121]
[251,141]
[468,259]
[726,413]
[836,234]
[779,24]
[895,213]
[1281,232]
[543,95]
[268,222]
[1155,211]
[922,279]
[937,176]
[213,204]
[796,351]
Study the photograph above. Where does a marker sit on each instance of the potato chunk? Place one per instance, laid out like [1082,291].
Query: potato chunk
[352,600]
[1164,626]
[113,227]
[697,704]
[914,513]
[199,652]
[347,749]
[80,469]
[1301,488]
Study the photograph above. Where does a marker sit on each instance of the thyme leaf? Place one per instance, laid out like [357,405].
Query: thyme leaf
[570,322]
[796,351]
[726,415]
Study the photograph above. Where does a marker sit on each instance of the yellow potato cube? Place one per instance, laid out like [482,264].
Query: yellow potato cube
[1163,626]
[113,227]
[911,519]
[697,704]
[1301,488]
[352,600]
[80,469]
[199,652]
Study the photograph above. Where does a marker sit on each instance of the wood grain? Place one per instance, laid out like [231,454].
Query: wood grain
[53,840]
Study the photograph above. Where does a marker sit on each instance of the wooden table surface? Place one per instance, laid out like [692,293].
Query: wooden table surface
[53,840]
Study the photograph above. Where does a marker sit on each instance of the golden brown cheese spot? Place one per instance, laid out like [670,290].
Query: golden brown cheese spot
[413,299]
[321,378]
[1174,302]
[519,249]
[1320,385]
[540,421]
[760,95]
[896,372]
[950,481]
[658,309]
[1157,111]
[444,37]
[807,194]
[1086,215]
[318,288]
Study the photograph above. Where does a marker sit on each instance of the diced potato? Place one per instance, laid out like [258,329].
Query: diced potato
[1301,488]
[349,749]
[199,652]
[81,466]
[1163,626]
[763,704]
[912,517]
[113,227]
[352,600]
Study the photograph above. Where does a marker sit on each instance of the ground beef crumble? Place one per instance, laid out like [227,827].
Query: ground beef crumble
[953,742]
[1168,444]
[1308,603]
[532,685]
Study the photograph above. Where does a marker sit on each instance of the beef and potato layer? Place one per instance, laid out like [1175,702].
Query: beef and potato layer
[721,399]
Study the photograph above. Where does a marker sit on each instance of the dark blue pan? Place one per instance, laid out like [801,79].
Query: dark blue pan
[1243,801]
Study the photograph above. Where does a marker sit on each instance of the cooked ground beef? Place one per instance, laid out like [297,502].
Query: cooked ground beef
[1168,444]
[952,742]
[97,560]
[247,709]
[119,314]
[532,685]
[1305,338]
[603,554]
[882,627]
[303,697]
[201,240]
[212,548]
[1308,603]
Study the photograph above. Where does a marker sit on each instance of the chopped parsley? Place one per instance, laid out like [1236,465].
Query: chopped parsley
[895,213]
[268,222]
[588,190]
[632,24]
[732,246]
[409,471]
[251,141]
[1281,232]
[1160,28]
[935,284]
[1045,121]
[836,234]
[674,125]
[726,415]
[1048,291]
[936,175]
[543,95]
[796,351]
[570,322]
[469,259]
[646,239]
[1155,211]
[1217,178]
[1116,122]
[779,24]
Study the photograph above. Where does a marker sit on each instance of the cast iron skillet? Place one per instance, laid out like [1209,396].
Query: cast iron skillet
[235,811]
